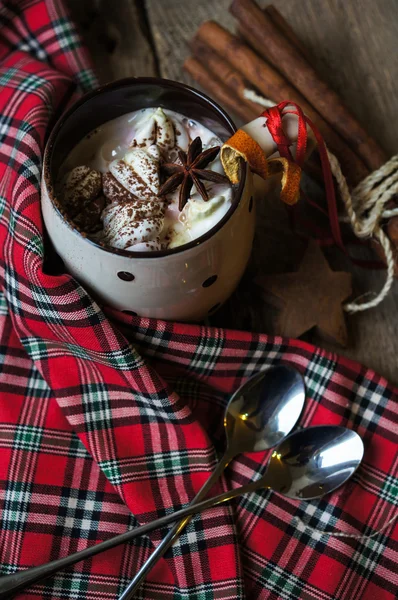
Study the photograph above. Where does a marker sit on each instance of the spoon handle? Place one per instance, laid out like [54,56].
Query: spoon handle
[11,584]
[174,532]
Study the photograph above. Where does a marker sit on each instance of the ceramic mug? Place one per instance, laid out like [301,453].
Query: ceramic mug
[186,283]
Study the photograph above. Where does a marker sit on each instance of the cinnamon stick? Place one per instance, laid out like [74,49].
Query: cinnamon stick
[277,88]
[218,90]
[312,165]
[285,28]
[222,70]
[259,30]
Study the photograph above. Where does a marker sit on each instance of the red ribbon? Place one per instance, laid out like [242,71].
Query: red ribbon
[274,125]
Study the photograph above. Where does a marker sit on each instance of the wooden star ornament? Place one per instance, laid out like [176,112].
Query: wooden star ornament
[309,298]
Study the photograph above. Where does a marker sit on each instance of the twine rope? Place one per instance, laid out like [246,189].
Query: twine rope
[251,95]
[365,210]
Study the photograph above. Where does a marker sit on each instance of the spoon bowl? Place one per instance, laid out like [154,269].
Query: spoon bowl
[264,410]
[315,461]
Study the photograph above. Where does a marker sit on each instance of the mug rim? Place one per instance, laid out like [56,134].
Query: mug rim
[119,83]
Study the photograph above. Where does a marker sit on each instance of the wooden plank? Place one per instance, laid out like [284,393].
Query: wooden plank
[173,24]
[118,38]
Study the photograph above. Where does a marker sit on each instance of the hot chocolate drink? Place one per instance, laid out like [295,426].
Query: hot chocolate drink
[148,180]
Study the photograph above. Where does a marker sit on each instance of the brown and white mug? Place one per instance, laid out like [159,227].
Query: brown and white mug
[186,283]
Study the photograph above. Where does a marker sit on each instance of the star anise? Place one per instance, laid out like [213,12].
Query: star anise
[190,172]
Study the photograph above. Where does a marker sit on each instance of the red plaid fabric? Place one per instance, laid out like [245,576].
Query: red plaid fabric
[102,430]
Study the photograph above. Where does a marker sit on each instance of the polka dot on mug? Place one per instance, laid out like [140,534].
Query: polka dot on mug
[130,312]
[214,308]
[209,281]
[251,203]
[126,276]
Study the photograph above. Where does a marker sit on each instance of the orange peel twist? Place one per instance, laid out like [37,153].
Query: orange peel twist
[242,146]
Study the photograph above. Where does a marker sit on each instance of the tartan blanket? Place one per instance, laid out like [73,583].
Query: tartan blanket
[101,431]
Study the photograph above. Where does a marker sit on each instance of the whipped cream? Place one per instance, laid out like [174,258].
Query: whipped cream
[132,226]
[154,128]
[120,162]
[138,173]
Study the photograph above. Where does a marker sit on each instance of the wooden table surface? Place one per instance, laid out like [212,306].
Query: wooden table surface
[353,44]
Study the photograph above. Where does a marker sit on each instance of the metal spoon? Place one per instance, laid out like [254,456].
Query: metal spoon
[259,415]
[307,465]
